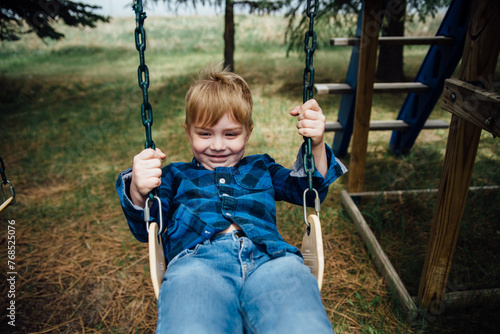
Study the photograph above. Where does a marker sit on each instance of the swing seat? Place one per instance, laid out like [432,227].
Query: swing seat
[312,249]
[156,257]
[7,202]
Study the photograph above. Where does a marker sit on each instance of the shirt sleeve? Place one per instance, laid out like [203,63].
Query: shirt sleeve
[290,184]
[133,213]
[335,167]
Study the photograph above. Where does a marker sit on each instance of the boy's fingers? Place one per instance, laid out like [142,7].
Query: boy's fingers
[295,111]
[161,154]
[310,109]
[146,154]
[150,183]
[150,154]
[311,124]
[311,115]
[311,104]
[308,105]
[147,167]
[154,154]
[147,179]
[309,132]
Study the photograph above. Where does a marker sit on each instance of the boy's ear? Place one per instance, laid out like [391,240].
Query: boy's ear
[249,134]
[187,131]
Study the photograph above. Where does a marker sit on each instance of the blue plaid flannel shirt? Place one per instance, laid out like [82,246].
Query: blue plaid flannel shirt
[198,203]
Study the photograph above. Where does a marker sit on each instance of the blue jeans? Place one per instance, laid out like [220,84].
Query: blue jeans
[228,285]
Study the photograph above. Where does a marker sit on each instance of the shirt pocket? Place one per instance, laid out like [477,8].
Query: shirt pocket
[187,228]
[186,221]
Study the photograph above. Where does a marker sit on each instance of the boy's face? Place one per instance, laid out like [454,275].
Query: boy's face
[221,145]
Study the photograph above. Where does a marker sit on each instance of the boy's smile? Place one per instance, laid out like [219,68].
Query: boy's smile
[221,145]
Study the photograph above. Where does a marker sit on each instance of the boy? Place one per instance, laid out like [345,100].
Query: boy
[229,270]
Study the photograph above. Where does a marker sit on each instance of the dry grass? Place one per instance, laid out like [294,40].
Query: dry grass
[91,276]
[70,124]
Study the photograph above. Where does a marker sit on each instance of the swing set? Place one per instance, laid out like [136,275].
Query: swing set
[6,201]
[312,244]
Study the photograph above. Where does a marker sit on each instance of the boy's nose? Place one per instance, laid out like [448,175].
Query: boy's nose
[218,144]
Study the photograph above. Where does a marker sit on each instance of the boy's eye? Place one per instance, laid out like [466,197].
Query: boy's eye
[203,134]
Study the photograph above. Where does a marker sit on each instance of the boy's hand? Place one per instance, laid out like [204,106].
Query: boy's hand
[310,121]
[146,173]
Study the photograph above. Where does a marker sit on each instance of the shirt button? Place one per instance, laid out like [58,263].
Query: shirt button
[222,180]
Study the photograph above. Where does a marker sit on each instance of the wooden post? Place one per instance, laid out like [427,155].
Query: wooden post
[479,60]
[372,19]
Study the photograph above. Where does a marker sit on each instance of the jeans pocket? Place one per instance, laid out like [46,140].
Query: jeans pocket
[184,254]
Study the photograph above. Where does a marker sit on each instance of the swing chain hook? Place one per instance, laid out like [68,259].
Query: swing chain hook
[317,207]
[147,214]
[5,181]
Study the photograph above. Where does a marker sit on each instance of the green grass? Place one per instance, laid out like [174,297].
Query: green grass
[70,122]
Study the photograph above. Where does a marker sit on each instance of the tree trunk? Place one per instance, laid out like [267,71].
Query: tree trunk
[390,59]
[229,35]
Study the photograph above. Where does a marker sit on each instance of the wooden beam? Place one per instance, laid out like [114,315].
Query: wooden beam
[382,262]
[370,29]
[399,194]
[396,41]
[472,298]
[474,104]
[398,125]
[400,87]
[333,88]
[378,87]
[479,60]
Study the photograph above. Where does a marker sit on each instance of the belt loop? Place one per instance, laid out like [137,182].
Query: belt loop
[239,234]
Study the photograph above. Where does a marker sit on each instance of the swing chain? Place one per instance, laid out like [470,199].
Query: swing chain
[310,42]
[5,181]
[143,72]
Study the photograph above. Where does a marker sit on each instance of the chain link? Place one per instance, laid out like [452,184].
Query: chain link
[310,42]
[143,72]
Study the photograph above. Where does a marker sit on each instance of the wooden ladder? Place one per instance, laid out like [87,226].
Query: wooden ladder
[357,92]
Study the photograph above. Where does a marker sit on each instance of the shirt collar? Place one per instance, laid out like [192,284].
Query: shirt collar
[198,164]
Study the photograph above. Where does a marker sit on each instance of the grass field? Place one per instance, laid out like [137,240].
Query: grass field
[70,122]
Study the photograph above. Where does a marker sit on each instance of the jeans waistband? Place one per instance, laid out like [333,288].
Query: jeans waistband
[238,234]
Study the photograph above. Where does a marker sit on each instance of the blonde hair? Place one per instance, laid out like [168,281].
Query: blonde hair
[217,92]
